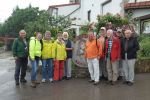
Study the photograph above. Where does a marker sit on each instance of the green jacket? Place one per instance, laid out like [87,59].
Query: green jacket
[19,48]
[34,48]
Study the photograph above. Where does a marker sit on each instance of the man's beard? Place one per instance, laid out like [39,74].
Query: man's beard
[65,38]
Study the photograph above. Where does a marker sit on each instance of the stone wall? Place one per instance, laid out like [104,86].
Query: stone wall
[142,66]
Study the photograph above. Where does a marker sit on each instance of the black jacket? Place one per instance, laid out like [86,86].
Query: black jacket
[68,45]
[132,48]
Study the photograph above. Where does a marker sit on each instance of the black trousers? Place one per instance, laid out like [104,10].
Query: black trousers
[21,66]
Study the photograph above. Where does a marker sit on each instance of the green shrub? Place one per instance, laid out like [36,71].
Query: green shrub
[144,42]
[1,44]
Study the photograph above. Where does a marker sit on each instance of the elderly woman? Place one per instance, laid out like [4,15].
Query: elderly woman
[60,56]
[129,46]
[35,54]
[47,58]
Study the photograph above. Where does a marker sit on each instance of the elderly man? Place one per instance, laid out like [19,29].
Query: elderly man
[69,48]
[112,53]
[20,54]
[129,48]
[102,39]
[93,51]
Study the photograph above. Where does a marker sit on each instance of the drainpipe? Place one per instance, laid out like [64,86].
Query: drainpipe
[105,3]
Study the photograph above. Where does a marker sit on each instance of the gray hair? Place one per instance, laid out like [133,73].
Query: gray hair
[47,32]
[110,31]
[22,31]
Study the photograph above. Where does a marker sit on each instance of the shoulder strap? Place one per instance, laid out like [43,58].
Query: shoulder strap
[16,44]
[41,44]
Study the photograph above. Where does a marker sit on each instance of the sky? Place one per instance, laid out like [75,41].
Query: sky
[7,6]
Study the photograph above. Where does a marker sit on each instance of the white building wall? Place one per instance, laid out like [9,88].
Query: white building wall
[113,7]
[65,10]
[140,12]
[133,1]
[94,6]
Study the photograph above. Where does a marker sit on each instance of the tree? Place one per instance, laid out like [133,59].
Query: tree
[32,20]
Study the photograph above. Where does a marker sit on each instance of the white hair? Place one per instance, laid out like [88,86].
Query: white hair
[22,31]
[110,31]
[65,33]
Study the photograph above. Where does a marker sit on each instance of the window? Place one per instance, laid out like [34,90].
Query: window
[141,0]
[89,15]
[146,27]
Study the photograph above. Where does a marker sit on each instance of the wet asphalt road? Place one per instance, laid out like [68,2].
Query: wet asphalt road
[75,89]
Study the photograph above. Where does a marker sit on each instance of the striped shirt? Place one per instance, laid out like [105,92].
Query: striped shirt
[109,48]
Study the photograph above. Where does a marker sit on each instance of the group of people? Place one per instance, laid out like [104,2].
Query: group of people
[55,56]
[111,56]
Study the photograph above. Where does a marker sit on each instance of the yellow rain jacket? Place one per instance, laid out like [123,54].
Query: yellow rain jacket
[48,50]
[34,48]
[59,50]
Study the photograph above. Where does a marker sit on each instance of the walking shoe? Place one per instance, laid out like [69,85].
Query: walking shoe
[23,80]
[130,83]
[17,82]
[120,78]
[125,82]
[50,80]
[33,85]
[108,82]
[43,80]
[36,82]
[91,81]
[68,78]
[96,83]
[113,83]
[64,77]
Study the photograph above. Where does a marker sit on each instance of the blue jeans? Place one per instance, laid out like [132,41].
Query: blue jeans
[47,68]
[34,64]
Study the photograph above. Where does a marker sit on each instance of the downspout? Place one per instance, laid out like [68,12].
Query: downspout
[105,3]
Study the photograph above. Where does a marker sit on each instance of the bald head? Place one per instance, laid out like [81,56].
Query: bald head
[91,36]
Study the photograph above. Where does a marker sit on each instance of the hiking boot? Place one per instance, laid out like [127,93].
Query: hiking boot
[96,83]
[33,85]
[23,80]
[91,81]
[125,82]
[68,78]
[43,80]
[108,82]
[36,82]
[17,82]
[130,84]
[113,83]
[50,80]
